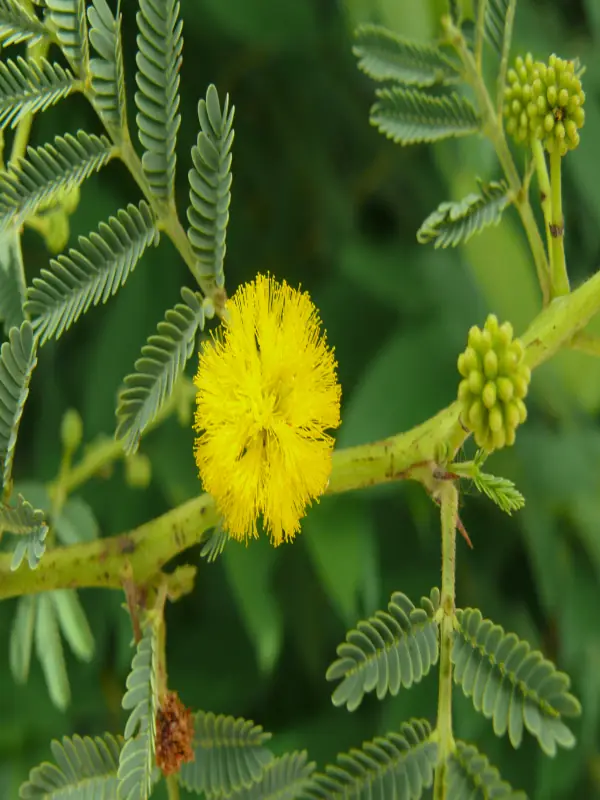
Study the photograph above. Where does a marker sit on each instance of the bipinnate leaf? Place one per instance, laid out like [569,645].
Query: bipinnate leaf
[20,519]
[136,760]
[285,778]
[511,684]
[29,524]
[108,74]
[12,278]
[391,649]
[501,491]
[70,21]
[46,171]
[73,623]
[408,116]
[383,55]
[19,24]
[91,274]
[499,18]
[49,650]
[159,60]
[162,362]
[471,775]
[28,87]
[210,184]
[229,755]
[18,357]
[84,769]
[21,638]
[32,545]
[399,765]
[452,224]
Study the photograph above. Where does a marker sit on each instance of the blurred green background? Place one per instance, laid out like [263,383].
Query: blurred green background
[319,198]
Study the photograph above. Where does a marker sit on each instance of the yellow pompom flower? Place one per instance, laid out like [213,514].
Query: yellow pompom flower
[267,393]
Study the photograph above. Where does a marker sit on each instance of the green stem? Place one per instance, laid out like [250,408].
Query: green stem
[35,52]
[172,788]
[480,34]
[168,221]
[541,169]
[509,21]
[407,455]
[492,127]
[445,739]
[559,278]
[106,451]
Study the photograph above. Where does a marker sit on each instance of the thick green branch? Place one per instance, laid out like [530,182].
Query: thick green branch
[413,454]
[101,563]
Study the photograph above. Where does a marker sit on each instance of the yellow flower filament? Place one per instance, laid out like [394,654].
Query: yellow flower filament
[267,393]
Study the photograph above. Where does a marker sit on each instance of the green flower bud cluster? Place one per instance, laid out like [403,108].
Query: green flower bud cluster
[495,383]
[544,101]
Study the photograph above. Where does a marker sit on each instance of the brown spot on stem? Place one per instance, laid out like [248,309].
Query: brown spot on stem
[125,545]
[174,734]
[556,230]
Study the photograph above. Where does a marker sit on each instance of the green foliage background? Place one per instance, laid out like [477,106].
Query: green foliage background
[319,198]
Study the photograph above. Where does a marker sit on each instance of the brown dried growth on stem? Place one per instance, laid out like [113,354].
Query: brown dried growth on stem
[174,735]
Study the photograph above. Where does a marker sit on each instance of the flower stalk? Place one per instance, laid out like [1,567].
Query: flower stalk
[492,126]
[560,278]
[445,739]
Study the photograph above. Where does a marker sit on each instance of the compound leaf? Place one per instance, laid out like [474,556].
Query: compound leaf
[85,769]
[46,171]
[70,21]
[21,638]
[92,274]
[511,684]
[408,116]
[49,650]
[27,87]
[12,278]
[159,60]
[229,755]
[471,775]
[136,760]
[162,362]
[501,491]
[29,524]
[285,778]
[452,224]
[20,519]
[19,24]
[499,18]
[108,75]
[383,55]
[18,358]
[397,765]
[210,184]
[391,649]
[73,623]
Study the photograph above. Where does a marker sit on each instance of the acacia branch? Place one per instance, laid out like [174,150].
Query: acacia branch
[415,454]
